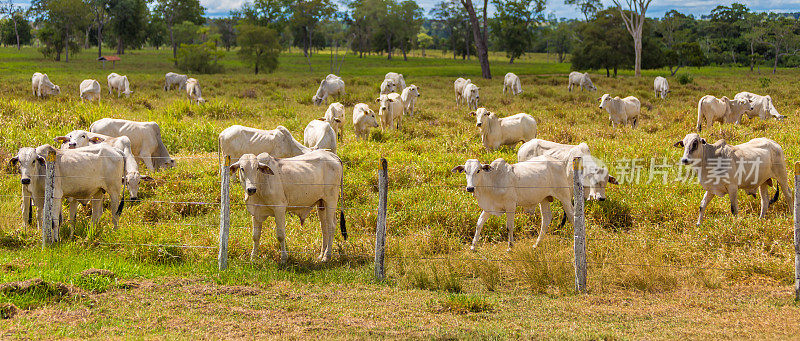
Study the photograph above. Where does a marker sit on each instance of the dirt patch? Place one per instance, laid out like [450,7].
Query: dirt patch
[8,310]
[209,290]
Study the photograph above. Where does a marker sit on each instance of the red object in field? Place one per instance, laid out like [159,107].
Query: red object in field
[112,59]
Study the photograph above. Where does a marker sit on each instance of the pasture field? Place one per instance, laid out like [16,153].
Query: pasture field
[652,272]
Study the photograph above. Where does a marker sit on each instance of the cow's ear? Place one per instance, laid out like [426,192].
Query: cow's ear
[377,100]
[486,168]
[678,144]
[702,141]
[457,169]
[612,180]
[321,119]
[96,139]
[14,160]
[337,120]
[147,178]
[61,139]
[265,169]
[234,167]
[599,98]
[473,113]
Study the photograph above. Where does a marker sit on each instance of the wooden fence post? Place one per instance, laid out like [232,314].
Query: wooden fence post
[797,231]
[49,186]
[224,213]
[380,230]
[580,227]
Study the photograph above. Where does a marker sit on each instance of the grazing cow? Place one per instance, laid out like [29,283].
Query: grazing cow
[661,87]
[502,187]
[722,110]
[762,106]
[90,90]
[391,110]
[581,79]
[388,86]
[42,86]
[172,78]
[146,143]
[595,173]
[80,174]
[237,140]
[459,86]
[320,135]
[724,169]
[398,79]
[335,116]
[621,110]
[409,97]
[471,95]
[274,187]
[82,138]
[119,83]
[511,83]
[496,132]
[363,120]
[193,91]
[332,85]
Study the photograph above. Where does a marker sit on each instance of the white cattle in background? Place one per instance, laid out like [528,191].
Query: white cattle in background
[763,107]
[147,145]
[398,79]
[459,86]
[581,79]
[471,95]
[391,110]
[335,116]
[237,140]
[363,120]
[512,84]
[193,91]
[621,110]
[42,86]
[119,83]
[319,135]
[90,90]
[174,79]
[332,85]
[409,97]
[496,132]
[388,86]
[723,110]
[661,87]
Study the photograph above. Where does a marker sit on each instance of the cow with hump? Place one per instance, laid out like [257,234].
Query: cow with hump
[332,85]
[501,187]
[496,131]
[145,137]
[237,140]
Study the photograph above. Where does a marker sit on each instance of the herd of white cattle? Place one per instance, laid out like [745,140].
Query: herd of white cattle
[280,175]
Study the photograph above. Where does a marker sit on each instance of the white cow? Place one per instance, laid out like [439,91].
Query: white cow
[335,116]
[332,85]
[496,132]
[90,90]
[388,86]
[459,86]
[237,140]
[320,135]
[363,120]
[274,187]
[80,174]
[595,173]
[724,169]
[193,91]
[723,110]
[172,78]
[409,97]
[502,187]
[42,86]
[471,95]
[391,110]
[621,110]
[119,83]
[582,80]
[762,106]
[511,83]
[146,143]
[661,87]
[398,79]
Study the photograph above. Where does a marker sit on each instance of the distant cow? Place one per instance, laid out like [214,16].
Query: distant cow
[332,85]
[409,97]
[471,95]
[763,107]
[502,187]
[496,132]
[171,79]
[119,83]
[724,169]
[319,135]
[582,80]
[237,140]
[146,143]
[193,91]
[621,110]
[459,86]
[363,120]
[595,174]
[274,187]
[335,116]
[661,87]
[398,79]
[511,83]
[388,86]
[90,90]
[42,86]
[391,110]
[722,110]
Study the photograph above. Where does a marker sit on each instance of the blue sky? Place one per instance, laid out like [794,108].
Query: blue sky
[657,8]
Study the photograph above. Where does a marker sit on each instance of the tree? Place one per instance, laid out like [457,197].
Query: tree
[513,25]
[14,13]
[127,19]
[99,9]
[560,40]
[783,36]
[410,14]
[68,16]
[259,47]
[602,44]
[186,32]
[480,36]
[178,11]
[679,41]
[226,28]
[306,15]
[156,32]
[634,17]
[424,41]
[16,30]
[588,7]
[274,14]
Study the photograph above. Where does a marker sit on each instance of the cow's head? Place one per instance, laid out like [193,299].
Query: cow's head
[413,90]
[317,100]
[604,100]
[132,180]
[368,117]
[472,169]
[30,164]
[692,145]
[55,90]
[482,116]
[251,172]
[389,86]
[473,92]
[163,162]
[386,104]
[77,139]
[595,178]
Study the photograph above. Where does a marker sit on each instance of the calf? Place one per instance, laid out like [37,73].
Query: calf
[512,84]
[502,187]
[496,132]
[335,117]
[319,135]
[459,86]
[332,85]
[621,110]
[582,80]
[119,83]
[763,107]
[471,95]
[391,110]
[42,86]
[363,120]
[171,79]
[90,90]
[274,187]
[193,91]
[145,137]
[237,140]
[409,97]
[724,169]
[397,78]
[388,86]
[722,110]
[661,87]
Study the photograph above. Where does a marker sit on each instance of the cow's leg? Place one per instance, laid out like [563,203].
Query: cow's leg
[26,207]
[97,210]
[56,227]
[116,200]
[733,195]
[510,227]
[547,217]
[147,160]
[257,223]
[73,212]
[763,192]
[707,197]
[327,219]
[481,220]
[280,234]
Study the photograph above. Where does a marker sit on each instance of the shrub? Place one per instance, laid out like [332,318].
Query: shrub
[200,58]
[765,82]
[685,78]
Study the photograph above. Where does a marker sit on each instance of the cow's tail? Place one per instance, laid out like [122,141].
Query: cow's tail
[777,194]
[563,220]
[342,222]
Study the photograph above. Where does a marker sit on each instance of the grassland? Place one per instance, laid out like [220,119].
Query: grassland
[652,273]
